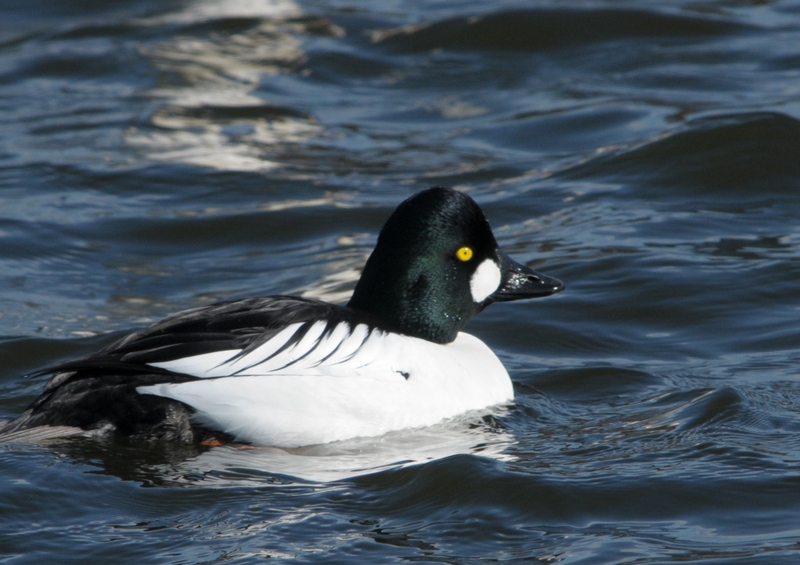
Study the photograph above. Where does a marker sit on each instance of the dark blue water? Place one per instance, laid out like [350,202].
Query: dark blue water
[160,155]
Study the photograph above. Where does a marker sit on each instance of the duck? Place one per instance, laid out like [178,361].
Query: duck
[288,371]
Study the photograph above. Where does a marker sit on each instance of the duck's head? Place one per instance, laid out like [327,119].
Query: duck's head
[437,264]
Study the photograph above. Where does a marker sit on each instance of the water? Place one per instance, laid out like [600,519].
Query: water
[160,155]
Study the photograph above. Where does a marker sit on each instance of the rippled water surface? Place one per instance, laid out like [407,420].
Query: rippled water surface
[160,155]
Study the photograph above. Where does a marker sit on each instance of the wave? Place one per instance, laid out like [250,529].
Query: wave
[542,29]
[727,154]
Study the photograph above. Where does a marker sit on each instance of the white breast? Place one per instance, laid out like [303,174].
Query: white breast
[335,385]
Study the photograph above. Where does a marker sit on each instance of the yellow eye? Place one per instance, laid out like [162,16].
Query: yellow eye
[464,254]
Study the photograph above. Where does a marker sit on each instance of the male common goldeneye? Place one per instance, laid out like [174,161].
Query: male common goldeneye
[287,371]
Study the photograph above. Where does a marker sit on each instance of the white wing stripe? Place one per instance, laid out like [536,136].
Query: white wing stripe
[263,352]
[368,351]
[330,344]
[205,365]
[350,345]
[298,351]
[301,348]
[334,349]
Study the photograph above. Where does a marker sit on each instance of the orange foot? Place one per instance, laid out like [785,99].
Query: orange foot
[213,442]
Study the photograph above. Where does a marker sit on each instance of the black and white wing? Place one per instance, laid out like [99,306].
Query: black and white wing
[258,336]
[247,337]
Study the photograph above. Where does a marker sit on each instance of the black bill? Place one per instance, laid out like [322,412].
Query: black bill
[520,282]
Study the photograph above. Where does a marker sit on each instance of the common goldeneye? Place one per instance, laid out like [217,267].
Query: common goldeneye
[287,371]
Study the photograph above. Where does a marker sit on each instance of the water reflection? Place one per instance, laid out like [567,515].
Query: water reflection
[184,465]
[206,111]
[343,460]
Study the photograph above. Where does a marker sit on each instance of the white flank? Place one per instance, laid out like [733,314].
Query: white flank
[373,383]
[485,280]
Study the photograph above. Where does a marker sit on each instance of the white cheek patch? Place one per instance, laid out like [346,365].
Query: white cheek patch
[485,280]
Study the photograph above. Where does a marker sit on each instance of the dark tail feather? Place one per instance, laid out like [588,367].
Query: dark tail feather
[107,406]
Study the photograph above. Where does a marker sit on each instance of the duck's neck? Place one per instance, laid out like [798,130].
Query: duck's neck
[409,304]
